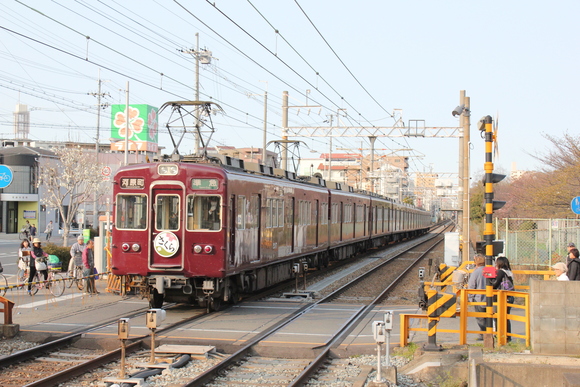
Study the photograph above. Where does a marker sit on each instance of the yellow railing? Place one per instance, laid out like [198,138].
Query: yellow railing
[464,313]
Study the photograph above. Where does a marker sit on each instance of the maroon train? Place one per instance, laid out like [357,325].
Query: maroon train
[204,232]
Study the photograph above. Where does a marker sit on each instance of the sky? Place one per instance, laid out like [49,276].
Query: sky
[366,60]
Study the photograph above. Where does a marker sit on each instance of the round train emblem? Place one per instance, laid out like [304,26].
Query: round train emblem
[166,244]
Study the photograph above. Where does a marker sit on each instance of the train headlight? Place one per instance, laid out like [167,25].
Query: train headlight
[125,247]
[135,247]
[208,249]
[197,249]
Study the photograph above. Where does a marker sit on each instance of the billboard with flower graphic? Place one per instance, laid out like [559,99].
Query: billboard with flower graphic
[142,128]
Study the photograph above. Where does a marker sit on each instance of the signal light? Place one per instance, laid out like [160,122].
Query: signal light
[208,249]
[125,247]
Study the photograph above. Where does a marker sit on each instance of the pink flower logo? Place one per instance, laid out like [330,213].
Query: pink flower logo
[135,122]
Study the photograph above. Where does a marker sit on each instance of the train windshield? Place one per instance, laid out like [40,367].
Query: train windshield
[204,212]
[167,212]
[131,212]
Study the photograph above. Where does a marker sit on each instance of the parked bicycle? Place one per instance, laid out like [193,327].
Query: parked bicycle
[77,277]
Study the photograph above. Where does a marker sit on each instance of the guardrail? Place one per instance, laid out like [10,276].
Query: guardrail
[464,313]
[7,310]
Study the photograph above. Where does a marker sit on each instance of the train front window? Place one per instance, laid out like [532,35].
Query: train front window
[204,212]
[131,212]
[167,212]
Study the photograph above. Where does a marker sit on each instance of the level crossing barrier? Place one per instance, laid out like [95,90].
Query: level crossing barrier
[11,287]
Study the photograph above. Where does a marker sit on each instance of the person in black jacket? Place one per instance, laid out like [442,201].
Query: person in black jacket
[504,272]
[574,265]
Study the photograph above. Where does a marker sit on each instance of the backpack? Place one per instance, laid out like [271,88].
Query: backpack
[506,283]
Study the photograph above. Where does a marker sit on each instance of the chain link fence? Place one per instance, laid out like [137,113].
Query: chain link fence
[537,243]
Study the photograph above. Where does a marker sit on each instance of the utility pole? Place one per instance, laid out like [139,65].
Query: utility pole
[205,58]
[197,126]
[99,107]
[264,144]
[284,130]
[127,126]
[330,151]
[466,172]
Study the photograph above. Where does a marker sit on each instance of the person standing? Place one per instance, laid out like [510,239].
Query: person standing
[48,231]
[560,269]
[37,255]
[76,255]
[574,265]
[88,268]
[33,231]
[571,246]
[504,272]
[24,254]
[477,281]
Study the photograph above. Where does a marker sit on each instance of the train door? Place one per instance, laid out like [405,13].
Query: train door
[166,251]
[232,233]
[316,219]
[341,219]
[293,220]
[257,207]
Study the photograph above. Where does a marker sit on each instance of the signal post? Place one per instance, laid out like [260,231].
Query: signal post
[491,205]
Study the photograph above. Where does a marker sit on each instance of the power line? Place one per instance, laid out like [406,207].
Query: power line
[340,60]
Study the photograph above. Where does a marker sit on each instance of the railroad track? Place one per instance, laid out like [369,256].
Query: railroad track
[58,361]
[296,372]
[241,368]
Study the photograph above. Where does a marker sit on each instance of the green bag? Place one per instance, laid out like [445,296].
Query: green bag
[53,259]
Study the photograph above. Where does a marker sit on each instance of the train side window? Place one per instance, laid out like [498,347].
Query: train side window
[324,213]
[204,212]
[280,213]
[167,212]
[241,213]
[131,212]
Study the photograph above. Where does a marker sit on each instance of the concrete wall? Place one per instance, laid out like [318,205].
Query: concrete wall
[523,375]
[555,317]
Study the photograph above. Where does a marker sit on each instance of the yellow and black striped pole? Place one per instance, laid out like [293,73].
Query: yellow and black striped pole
[488,234]
[438,305]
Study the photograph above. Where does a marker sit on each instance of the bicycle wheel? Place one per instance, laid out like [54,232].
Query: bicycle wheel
[79,278]
[56,284]
[21,278]
[70,279]
[36,285]
[3,284]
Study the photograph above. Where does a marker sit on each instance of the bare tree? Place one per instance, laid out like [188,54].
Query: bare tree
[70,180]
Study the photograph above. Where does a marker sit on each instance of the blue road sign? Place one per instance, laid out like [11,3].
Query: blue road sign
[575,205]
[6,176]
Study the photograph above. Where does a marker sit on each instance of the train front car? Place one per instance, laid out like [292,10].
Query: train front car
[168,232]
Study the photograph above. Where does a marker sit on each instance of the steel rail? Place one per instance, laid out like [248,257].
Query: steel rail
[354,320]
[211,373]
[79,369]
[82,368]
